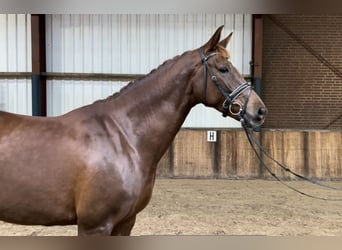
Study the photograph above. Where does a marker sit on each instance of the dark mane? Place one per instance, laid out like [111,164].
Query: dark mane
[136,81]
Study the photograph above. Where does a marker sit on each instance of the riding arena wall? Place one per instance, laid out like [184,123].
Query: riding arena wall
[301,86]
[312,153]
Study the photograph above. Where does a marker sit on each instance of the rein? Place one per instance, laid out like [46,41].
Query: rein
[252,139]
[229,98]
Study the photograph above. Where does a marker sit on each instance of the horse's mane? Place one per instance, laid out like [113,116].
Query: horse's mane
[134,82]
[220,49]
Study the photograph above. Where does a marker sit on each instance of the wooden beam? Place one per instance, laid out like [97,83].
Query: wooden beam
[257,45]
[38,65]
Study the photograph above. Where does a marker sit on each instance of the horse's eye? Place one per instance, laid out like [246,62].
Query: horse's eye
[224,70]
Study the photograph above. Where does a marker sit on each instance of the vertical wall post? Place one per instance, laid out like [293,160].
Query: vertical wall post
[38,65]
[172,160]
[257,52]
[216,156]
[257,55]
[257,68]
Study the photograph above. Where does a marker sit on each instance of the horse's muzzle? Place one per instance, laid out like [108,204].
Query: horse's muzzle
[253,121]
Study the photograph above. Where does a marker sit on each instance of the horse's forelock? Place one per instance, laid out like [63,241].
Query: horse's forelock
[223,51]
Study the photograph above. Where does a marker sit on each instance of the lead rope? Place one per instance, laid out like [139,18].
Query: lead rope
[252,139]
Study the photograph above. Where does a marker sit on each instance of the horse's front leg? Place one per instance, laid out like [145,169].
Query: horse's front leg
[103,229]
[124,228]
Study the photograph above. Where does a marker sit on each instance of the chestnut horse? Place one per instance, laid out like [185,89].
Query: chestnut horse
[96,165]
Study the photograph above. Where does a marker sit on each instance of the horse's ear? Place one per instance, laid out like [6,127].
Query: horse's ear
[214,40]
[225,41]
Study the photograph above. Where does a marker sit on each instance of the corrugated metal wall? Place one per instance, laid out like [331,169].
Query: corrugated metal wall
[133,44]
[15,56]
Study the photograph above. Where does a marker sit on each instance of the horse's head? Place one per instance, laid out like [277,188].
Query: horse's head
[219,84]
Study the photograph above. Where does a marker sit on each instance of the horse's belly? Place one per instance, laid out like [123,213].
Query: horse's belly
[37,184]
[27,217]
[34,209]
[34,198]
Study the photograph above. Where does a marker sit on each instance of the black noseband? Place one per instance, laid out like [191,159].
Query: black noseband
[229,98]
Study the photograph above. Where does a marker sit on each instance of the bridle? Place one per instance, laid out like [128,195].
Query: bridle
[229,98]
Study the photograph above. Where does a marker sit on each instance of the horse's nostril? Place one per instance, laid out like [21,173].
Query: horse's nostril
[262,111]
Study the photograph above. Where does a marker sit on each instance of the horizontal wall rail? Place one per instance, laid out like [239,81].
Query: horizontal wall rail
[11,75]
[81,76]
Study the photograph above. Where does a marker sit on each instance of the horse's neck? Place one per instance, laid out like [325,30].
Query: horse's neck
[154,108]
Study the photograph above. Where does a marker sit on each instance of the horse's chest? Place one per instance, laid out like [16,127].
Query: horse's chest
[144,195]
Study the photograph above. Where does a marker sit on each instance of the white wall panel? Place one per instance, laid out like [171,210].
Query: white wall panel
[69,94]
[15,56]
[133,44]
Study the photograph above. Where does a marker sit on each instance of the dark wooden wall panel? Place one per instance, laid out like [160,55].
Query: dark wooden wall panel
[325,155]
[310,153]
[193,155]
